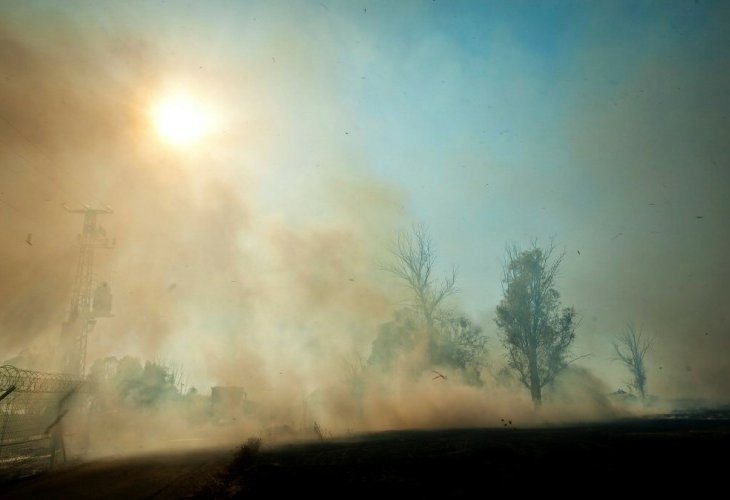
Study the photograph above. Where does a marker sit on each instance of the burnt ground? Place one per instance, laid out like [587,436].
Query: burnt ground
[659,455]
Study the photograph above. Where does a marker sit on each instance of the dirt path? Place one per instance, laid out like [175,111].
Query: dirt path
[159,476]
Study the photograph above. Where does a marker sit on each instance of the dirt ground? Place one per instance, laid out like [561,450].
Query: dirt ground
[651,456]
[161,475]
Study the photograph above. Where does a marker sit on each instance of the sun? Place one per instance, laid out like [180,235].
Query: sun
[180,119]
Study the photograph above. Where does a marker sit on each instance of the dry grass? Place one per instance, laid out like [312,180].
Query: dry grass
[228,484]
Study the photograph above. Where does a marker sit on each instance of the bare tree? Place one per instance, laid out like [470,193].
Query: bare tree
[535,331]
[630,349]
[414,260]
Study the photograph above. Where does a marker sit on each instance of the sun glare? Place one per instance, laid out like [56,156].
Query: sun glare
[181,120]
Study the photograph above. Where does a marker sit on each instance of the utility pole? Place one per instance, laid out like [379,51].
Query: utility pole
[87,304]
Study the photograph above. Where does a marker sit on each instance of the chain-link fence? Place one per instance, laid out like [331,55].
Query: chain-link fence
[41,419]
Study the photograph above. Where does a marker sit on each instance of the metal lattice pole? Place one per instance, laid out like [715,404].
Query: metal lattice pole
[82,316]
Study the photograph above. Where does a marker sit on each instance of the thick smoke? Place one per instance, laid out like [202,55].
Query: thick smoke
[256,259]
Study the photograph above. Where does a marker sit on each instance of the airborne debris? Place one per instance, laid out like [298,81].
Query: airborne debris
[438,375]
[27,240]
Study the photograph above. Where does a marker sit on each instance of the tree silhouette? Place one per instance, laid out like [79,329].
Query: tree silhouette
[630,349]
[534,330]
[414,260]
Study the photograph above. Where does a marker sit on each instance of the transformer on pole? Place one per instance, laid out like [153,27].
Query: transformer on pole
[87,302]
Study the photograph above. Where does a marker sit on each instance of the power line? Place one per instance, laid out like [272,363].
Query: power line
[27,162]
[53,180]
[21,214]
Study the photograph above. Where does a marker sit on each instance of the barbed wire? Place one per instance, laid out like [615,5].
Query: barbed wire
[35,381]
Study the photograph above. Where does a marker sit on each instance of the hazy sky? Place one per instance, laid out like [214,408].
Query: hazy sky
[603,125]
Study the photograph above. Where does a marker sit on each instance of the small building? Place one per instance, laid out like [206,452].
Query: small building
[229,402]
